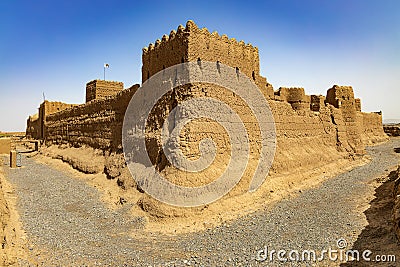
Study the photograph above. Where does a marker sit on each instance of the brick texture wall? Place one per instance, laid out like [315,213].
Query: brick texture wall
[97,124]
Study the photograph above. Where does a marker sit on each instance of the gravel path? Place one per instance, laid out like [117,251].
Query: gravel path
[68,225]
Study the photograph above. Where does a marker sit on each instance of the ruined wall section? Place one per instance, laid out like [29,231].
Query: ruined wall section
[303,137]
[295,96]
[303,134]
[32,126]
[35,123]
[317,102]
[371,128]
[342,98]
[97,124]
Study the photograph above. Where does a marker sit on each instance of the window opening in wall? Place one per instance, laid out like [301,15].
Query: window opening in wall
[218,67]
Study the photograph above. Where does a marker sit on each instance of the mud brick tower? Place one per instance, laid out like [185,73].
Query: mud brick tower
[342,98]
[191,43]
[98,89]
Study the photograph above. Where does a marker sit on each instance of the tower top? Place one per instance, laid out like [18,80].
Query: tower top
[192,43]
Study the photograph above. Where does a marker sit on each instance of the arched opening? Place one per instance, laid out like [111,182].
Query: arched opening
[253,75]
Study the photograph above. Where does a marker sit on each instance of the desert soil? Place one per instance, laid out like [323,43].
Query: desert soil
[68,224]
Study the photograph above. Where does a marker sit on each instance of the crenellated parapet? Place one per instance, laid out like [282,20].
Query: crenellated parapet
[192,43]
[317,102]
[169,51]
[295,96]
[341,97]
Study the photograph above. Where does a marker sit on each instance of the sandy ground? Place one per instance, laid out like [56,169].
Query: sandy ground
[16,239]
[378,234]
[304,215]
[112,194]
[274,189]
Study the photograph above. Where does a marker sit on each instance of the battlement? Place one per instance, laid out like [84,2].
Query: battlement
[36,123]
[192,43]
[358,104]
[191,28]
[99,89]
[317,102]
[339,96]
[296,97]
[50,107]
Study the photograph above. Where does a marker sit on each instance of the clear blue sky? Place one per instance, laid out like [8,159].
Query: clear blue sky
[56,47]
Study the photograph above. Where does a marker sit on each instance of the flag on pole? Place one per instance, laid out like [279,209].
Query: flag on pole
[106,65]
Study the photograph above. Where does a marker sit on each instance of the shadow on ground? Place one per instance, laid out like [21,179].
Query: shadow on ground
[379,236]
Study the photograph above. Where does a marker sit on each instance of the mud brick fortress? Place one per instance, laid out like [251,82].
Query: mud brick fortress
[312,130]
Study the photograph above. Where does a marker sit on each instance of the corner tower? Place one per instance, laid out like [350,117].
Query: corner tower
[191,43]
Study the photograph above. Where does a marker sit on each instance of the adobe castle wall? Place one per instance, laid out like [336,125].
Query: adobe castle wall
[311,130]
[36,124]
[97,124]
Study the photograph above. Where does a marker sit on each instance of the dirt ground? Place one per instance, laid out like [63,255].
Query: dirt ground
[12,234]
[376,204]
[378,235]
[275,188]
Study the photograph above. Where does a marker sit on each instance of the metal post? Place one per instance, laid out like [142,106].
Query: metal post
[106,66]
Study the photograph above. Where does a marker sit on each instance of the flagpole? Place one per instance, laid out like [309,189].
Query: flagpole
[106,66]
